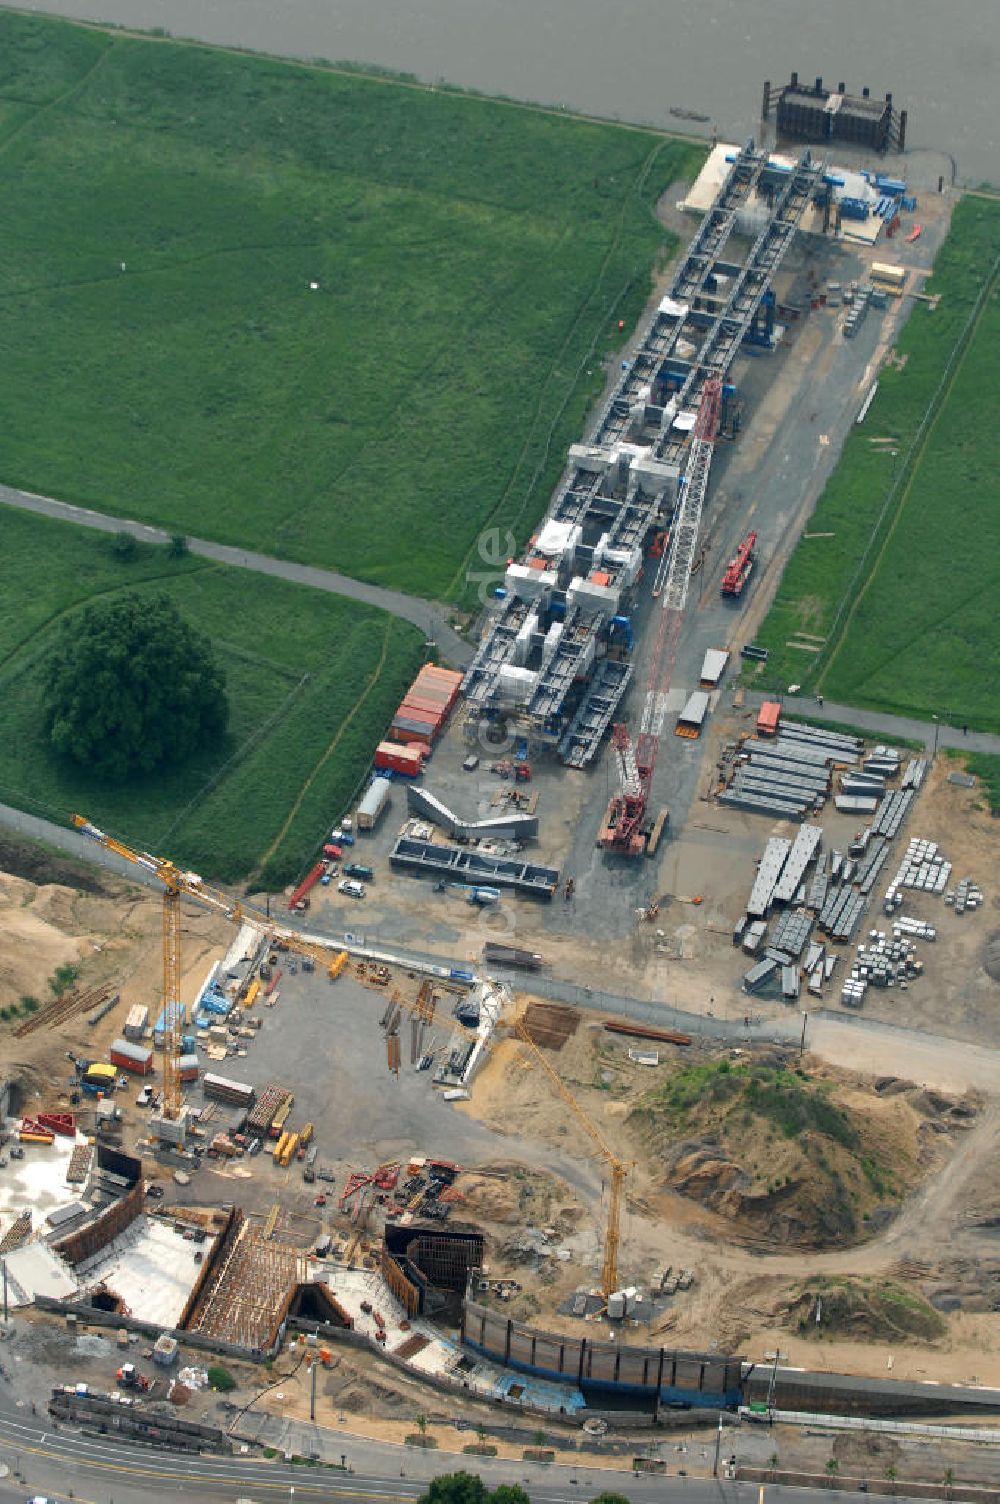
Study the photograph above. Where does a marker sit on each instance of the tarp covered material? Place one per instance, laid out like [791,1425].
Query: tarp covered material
[714,665]
[695,710]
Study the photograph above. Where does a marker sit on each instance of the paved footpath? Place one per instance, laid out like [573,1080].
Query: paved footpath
[890,725]
[430,618]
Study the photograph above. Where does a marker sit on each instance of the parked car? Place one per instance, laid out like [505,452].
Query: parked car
[358,869]
[351,889]
[341,837]
[326,879]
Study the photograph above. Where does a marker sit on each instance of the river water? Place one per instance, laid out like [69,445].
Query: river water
[637,59]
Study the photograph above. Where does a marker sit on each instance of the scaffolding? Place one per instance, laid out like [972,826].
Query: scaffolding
[247,1297]
[622,483]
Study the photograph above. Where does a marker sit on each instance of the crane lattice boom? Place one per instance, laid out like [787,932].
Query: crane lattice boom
[175,883]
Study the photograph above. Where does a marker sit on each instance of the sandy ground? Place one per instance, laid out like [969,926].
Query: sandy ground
[744,1284]
[112,936]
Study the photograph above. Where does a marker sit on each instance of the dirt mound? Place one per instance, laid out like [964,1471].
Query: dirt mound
[991,956]
[489,1200]
[864,1310]
[33,923]
[25,859]
[784,1155]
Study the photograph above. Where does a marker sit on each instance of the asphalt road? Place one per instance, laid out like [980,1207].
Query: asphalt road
[430,618]
[67,1465]
[872,721]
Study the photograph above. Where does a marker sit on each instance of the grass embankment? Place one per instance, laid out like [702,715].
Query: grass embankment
[307,672]
[472,260]
[774,1150]
[905,604]
[986,767]
[860,1309]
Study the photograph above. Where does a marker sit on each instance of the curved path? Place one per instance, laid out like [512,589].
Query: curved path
[100,1470]
[431,619]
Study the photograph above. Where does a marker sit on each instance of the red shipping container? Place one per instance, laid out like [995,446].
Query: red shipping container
[767,720]
[398,758]
[410,733]
[423,723]
[136,1058]
[446,675]
[432,709]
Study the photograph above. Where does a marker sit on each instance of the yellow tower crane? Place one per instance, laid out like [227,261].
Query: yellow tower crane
[175,883]
[618,1167]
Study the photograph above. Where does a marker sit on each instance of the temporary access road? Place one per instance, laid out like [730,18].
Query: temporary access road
[431,619]
[946,1064]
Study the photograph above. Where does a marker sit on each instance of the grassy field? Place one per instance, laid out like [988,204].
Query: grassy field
[166,208]
[906,603]
[312,680]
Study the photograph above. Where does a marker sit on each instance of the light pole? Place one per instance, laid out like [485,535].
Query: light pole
[937,728]
[802,1041]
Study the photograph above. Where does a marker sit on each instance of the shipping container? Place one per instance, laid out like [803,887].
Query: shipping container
[187,1065]
[423,710]
[768,717]
[374,804]
[410,732]
[178,1012]
[137,1021]
[885,275]
[399,759]
[137,1058]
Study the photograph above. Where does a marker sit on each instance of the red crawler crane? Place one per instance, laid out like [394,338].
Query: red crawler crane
[622,829]
[740,566]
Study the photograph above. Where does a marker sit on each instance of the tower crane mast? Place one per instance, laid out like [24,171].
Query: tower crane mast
[176,883]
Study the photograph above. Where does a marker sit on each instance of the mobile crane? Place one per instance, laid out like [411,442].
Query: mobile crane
[175,884]
[617,1167]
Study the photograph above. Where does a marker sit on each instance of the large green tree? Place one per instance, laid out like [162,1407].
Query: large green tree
[130,687]
[455,1488]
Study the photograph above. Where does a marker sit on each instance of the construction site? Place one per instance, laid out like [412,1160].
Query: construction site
[627,1035]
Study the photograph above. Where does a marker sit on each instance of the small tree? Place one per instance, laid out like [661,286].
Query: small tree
[948,1481]
[420,1421]
[62,979]
[890,1473]
[178,546]
[125,546]
[832,1466]
[220,1378]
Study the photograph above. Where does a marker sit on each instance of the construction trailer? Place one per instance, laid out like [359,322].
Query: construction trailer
[374,803]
